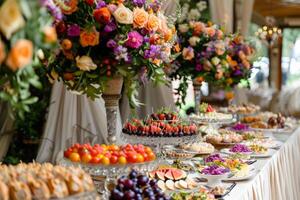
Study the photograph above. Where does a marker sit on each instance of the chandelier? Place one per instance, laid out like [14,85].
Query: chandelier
[269,32]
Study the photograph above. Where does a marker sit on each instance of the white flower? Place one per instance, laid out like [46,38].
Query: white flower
[183,28]
[215,61]
[194,40]
[85,63]
[201,5]
[11,18]
[194,14]
[123,15]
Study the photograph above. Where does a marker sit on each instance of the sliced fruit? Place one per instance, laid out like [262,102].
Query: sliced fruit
[183,184]
[170,185]
[178,174]
[169,174]
[152,174]
[161,184]
[177,186]
[191,183]
[160,175]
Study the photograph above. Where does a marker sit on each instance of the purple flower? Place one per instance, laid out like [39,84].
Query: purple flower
[55,10]
[198,67]
[153,52]
[100,4]
[238,73]
[155,5]
[121,53]
[134,40]
[138,3]
[74,30]
[111,44]
[111,26]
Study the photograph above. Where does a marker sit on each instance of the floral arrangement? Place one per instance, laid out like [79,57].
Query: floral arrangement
[209,55]
[193,10]
[26,36]
[102,39]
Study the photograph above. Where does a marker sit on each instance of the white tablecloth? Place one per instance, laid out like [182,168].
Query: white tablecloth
[279,176]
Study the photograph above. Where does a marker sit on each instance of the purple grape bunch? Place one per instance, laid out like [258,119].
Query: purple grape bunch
[214,170]
[240,148]
[137,186]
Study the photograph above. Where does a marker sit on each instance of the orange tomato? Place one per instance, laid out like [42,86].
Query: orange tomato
[74,157]
[139,158]
[105,161]
[86,158]
[122,160]
[151,156]
[100,156]
[148,149]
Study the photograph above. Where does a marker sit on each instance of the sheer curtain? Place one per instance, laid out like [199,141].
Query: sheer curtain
[222,13]
[71,118]
[6,128]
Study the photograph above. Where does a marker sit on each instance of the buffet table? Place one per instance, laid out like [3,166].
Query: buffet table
[279,176]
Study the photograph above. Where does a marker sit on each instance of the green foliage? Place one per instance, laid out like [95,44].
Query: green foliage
[15,85]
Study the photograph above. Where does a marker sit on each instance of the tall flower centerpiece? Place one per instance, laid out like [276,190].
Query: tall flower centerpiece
[105,43]
[211,56]
[26,36]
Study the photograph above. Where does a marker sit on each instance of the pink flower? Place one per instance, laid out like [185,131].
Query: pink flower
[134,40]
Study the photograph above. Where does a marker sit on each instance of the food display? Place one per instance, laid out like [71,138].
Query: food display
[240,148]
[224,136]
[171,179]
[265,142]
[240,127]
[209,114]
[258,149]
[198,147]
[244,109]
[151,128]
[214,170]
[43,181]
[164,115]
[251,119]
[273,122]
[137,186]
[109,154]
[201,194]
[251,135]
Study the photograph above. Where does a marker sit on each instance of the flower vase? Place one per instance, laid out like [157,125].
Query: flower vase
[197,94]
[111,96]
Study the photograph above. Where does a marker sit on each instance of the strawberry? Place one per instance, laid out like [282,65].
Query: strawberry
[161,116]
[210,109]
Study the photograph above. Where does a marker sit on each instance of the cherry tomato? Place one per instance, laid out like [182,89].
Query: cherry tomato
[105,161]
[86,158]
[113,159]
[139,158]
[74,157]
[122,160]
[95,160]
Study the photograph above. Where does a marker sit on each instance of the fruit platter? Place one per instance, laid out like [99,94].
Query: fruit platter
[164,115]
[173,179]
[102,159]
[207,114]
[158,133]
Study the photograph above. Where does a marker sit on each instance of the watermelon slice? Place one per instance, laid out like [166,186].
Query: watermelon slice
[178,174]
[160,175]
[169,174]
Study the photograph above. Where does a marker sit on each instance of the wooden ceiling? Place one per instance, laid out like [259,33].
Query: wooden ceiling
[280,9]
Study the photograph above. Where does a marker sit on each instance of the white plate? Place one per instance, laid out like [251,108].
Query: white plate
[269,153]
[251,174]
[272,144]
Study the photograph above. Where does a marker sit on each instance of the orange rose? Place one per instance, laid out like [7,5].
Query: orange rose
[102,15]
[176,47]
[246,64]
[153,23]
[50,34]
[2,52]
[198,28]
[168,33]
[89,38]
[140,17]
[210,31]
[67,7]
[20,55]
[232,63]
